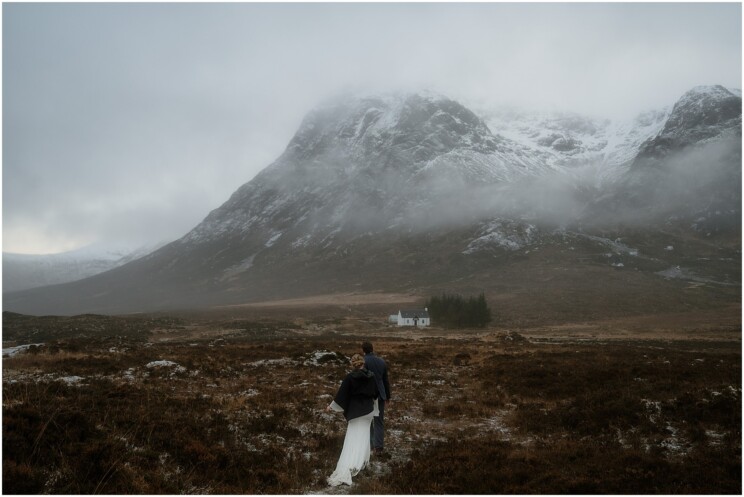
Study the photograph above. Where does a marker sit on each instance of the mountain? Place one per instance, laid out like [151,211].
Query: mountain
[416,193]
[25,271]
[691,169]
[703,114]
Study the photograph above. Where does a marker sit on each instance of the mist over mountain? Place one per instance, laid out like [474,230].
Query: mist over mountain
[690,170]
[25,271]
[417,193]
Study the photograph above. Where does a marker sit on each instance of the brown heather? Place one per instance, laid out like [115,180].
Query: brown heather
[240,409]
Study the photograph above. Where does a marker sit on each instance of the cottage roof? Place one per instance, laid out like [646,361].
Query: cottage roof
[416,313]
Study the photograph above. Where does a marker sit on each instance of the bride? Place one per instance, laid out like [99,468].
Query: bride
[357,399]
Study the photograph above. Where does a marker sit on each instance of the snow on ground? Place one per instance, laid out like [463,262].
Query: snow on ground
[13,351]
[243,265]
[284,361]
[271,241]
[616,245]
[320,357]
[503,235]
[71,380]
[316,358]
[166,364]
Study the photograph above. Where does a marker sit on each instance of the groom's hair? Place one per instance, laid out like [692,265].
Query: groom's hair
[367,347]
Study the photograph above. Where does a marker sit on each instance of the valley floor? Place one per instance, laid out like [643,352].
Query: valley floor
[232,401]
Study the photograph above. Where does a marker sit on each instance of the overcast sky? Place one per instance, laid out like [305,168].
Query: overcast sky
[128,123]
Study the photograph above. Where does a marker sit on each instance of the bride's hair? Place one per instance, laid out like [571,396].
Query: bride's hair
[357,361]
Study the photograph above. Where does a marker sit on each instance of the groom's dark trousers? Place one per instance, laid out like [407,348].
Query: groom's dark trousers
[379,368]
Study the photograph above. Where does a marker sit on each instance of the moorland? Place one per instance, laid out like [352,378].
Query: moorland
[232,401]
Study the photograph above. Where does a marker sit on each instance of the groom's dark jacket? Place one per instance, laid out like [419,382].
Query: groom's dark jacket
[357,394]
[379,368]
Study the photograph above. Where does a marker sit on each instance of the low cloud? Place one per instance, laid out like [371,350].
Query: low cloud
[103,101]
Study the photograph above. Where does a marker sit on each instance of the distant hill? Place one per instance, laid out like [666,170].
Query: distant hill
[25,271]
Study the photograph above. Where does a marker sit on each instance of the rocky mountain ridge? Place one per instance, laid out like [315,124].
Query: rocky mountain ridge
[702,114]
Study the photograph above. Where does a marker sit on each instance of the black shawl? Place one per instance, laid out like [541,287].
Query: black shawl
[357,394]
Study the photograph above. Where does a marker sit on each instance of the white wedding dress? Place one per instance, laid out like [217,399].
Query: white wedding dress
[355,454]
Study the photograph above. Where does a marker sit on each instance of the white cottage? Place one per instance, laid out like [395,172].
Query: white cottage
[415,317]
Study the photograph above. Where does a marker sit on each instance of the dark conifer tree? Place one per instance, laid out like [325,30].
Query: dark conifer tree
[456,311]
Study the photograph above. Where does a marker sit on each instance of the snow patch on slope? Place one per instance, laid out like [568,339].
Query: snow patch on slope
[502,234]
[571,143]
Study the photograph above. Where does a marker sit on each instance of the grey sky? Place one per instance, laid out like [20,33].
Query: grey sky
[128,123]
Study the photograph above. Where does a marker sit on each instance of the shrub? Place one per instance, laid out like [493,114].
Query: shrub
[456,311]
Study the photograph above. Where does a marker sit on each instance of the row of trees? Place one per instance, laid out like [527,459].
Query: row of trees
[457,311]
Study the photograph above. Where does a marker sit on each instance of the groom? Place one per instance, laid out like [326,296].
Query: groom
[375,364]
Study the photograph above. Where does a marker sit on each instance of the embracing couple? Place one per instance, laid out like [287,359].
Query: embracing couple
[362,398]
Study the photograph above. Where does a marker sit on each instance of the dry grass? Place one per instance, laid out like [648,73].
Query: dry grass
[240,410]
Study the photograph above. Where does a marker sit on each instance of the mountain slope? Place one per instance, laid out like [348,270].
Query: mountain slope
[414,192]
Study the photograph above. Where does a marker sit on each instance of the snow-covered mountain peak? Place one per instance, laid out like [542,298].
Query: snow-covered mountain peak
[705,105]
[706,91]
[702,114]
[391,159]
[380,124]
[377,156]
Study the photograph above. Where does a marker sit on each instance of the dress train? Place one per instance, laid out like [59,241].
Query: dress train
[355,454]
